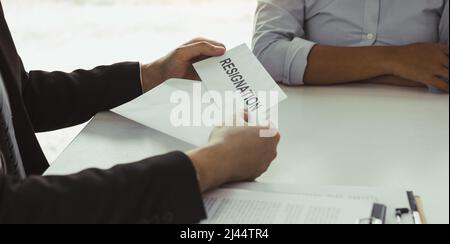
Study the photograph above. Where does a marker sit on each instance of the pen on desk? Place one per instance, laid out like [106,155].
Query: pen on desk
[399,212]
[379,214]
[414,209]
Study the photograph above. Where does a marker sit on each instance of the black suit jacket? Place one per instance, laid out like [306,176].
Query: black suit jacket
[162,189]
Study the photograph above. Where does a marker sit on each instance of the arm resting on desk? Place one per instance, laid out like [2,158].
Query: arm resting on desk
[394,81]
[162,189]
[55,100]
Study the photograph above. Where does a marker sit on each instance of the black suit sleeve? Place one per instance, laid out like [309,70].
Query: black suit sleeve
[55,100]
[162,189]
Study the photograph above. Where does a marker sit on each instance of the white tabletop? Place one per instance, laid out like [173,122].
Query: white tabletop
[358,135]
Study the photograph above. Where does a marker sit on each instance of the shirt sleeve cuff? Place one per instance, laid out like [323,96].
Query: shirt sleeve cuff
[296,61]
[186,202]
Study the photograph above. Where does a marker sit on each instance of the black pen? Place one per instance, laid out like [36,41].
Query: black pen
[399,212]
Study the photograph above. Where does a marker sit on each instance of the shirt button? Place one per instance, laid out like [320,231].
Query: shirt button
[370,36]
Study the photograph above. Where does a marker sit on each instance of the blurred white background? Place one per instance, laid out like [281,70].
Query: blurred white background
[70,34]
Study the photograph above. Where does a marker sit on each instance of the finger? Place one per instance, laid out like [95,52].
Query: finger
[201,39]
[443,73]
[198,59]
[242,117]
[196,50]
[438,83]
[277,137]
[265,167]
[236,122]
[237,119]
[245,115]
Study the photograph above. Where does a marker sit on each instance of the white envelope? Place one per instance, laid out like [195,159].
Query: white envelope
[240,71]
[153,109]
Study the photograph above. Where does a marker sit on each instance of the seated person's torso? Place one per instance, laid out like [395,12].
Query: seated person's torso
[372,22]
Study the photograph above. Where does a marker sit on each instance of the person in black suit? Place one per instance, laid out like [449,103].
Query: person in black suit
[163,189]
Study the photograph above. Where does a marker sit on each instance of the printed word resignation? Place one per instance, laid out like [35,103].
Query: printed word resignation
[241,85]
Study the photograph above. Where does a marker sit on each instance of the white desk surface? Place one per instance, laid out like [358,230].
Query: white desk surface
[358,135]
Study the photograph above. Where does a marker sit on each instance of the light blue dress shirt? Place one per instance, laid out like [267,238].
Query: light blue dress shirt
[286,30]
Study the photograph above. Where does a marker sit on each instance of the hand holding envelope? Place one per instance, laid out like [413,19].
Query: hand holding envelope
[178,63]
[182,108]
[240,72]
[237,72]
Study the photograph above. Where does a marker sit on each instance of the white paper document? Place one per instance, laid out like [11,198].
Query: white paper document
[241,73]
[391,197]
[234,206]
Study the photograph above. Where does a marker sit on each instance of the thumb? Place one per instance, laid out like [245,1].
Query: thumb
[200,49]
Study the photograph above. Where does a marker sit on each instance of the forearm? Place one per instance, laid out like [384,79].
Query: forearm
[161,189]
[55,100]
[394,81]
[335,65]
